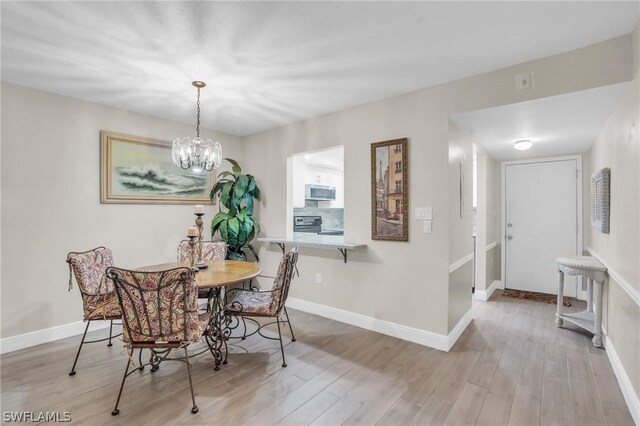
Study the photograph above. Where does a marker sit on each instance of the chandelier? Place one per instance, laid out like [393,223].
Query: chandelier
[196,154]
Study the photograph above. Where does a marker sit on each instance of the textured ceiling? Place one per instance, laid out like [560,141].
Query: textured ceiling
[272,63]
[558,125]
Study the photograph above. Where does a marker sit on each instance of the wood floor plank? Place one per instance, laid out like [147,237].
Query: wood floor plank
[495,411]
[402,412]
[434,412]
[467,406]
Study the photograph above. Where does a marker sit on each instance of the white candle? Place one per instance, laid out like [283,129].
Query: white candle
[199,209]
[192,231]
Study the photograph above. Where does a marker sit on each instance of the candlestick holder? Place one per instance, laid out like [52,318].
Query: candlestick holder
[192,244]
[200,263]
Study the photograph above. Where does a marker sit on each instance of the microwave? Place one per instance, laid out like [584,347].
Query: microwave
[319,192]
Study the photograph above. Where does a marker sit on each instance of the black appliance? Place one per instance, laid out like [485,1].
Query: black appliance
[307,224]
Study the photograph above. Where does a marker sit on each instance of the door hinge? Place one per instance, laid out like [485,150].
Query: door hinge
[577,174]
[576,228]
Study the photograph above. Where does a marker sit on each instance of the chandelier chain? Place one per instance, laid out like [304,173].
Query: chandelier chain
[198,115]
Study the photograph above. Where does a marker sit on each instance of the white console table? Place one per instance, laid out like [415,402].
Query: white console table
[594,271]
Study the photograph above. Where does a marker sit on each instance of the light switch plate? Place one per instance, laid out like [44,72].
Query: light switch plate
[424,213]
[426,226]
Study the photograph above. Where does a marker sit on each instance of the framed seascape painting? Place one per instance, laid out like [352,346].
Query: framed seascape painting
[389,190]
[138,170]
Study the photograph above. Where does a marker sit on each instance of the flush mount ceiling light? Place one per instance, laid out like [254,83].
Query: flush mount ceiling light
[523,145]
[196,154]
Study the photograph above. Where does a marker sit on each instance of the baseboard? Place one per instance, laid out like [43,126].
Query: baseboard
[484,295]
[460,327]
[21,341]
[422,337]
[630,396]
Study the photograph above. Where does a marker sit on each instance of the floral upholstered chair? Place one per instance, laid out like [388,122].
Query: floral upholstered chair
[159,312]
[211,250]
[271,303]
[99,298]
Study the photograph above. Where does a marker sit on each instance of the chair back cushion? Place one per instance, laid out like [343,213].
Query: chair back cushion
[211,250]
[157,306]
[89,268]
[283,279]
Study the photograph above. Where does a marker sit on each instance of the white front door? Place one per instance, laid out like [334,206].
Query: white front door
[541,223]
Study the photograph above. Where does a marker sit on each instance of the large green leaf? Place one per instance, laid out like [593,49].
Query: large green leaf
[225,194]
[257,194]
[234,226]
[217,188]
[239,189]
[242,235]
[224,231]
[235,166]
[252,184]
[218,219]
[226,173]
[248,204]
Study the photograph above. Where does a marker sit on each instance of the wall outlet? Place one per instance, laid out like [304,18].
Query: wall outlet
[524,81]
[426,226]
[318,278]
[424,213]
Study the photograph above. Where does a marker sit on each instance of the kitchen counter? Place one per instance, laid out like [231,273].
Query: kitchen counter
[311,240]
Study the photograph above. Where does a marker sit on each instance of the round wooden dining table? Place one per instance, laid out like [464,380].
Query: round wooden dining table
[217,275]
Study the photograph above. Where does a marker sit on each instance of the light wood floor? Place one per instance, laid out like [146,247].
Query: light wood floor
[511,366]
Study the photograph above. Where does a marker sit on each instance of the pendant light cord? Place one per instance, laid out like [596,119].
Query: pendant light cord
[198,115]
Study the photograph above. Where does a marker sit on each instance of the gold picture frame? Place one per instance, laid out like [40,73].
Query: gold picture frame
[389,190]
[139,170]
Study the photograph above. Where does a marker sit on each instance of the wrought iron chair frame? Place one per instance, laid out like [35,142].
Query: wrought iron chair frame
[157,356]
[88,321]
[290,267]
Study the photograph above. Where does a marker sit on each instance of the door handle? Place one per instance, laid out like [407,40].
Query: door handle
[509,237]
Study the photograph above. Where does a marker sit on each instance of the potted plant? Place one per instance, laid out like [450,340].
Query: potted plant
[236,192]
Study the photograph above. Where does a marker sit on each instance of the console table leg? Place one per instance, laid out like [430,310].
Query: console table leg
[560,298]
[597,338]
[589,295]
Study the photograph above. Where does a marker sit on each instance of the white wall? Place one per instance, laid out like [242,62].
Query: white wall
[51,202]
[405,283]
[618,147]
[460,225]
[488,222]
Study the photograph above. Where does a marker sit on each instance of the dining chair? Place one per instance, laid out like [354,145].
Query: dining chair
[254,303]
[160,313]
[211,250]
[99,299]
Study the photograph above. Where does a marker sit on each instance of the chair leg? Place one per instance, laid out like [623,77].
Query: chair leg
[293,338]
[124,378]
[193,398]
[140,367]
[73,369]
[110,332]
[284,363]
